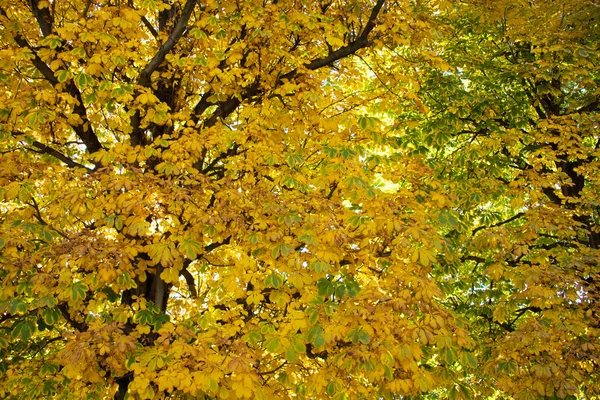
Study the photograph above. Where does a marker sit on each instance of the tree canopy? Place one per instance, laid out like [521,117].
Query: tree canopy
[288,199]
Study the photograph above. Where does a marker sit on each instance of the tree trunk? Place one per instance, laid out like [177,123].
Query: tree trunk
[123,383]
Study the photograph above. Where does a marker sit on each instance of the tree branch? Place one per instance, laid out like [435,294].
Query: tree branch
[145,78]
[83,130]
[44,149]
[361,42]
[228,106]
[273,370]
[231,152]
[80,326]
[148,25]
[514,217]
[225,108]
[212,246]
[43,17]
[159,57]
[189,279]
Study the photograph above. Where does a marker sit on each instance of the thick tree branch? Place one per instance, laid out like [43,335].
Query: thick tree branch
[361,42]
[189,279]
[83,130]
[228,106]
[145,78]
[148,25]
[38,63]
[42,148]
[45,149]
[43,17]
[225,108]
[504,325]
[159,57]
[592,107]
[203,103]
[122,386]
[212,246]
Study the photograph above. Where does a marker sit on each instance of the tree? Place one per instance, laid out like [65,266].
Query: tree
[512,132]
[289,199]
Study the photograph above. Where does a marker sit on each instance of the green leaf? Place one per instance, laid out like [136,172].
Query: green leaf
[23,330]
[118,223]
[340,291]
[508,366]
[274,280]
[63,75]
[389,374]
[47,301]
[320,266]
[330,151]
[254,337]
[125,281]
[289,182]
[190,248]
[91,98]
[159,320]
[468,360]
[144,317]
[52,41]
[49,369]
[308,239]
[294,159]
[449,355]
[36,118]
[325,287]
[298,344]
[286,249]
[16,306]
[362,122]
[352,287]
[273,345]
[83,80]
[316,336]
[50,316]
[330,388]
[78,292]
[290,354]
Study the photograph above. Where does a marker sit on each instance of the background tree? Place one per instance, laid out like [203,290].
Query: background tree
[292,199]
[512,133]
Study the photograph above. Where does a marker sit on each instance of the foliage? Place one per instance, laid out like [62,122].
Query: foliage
[291,199]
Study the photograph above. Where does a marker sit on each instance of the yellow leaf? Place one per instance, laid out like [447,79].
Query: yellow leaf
[170,275]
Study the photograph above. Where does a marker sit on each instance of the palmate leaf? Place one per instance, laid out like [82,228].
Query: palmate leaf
[23,330]
[13,306]
[316,336]
[273,345]
[468,360]
[449,355]
[190,248]
[47,301]
[50,316]
[78,291]
[291,355]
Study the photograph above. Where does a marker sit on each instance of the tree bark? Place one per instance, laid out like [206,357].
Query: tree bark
[123,384]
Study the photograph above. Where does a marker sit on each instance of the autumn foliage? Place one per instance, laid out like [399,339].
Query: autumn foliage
[299,199]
